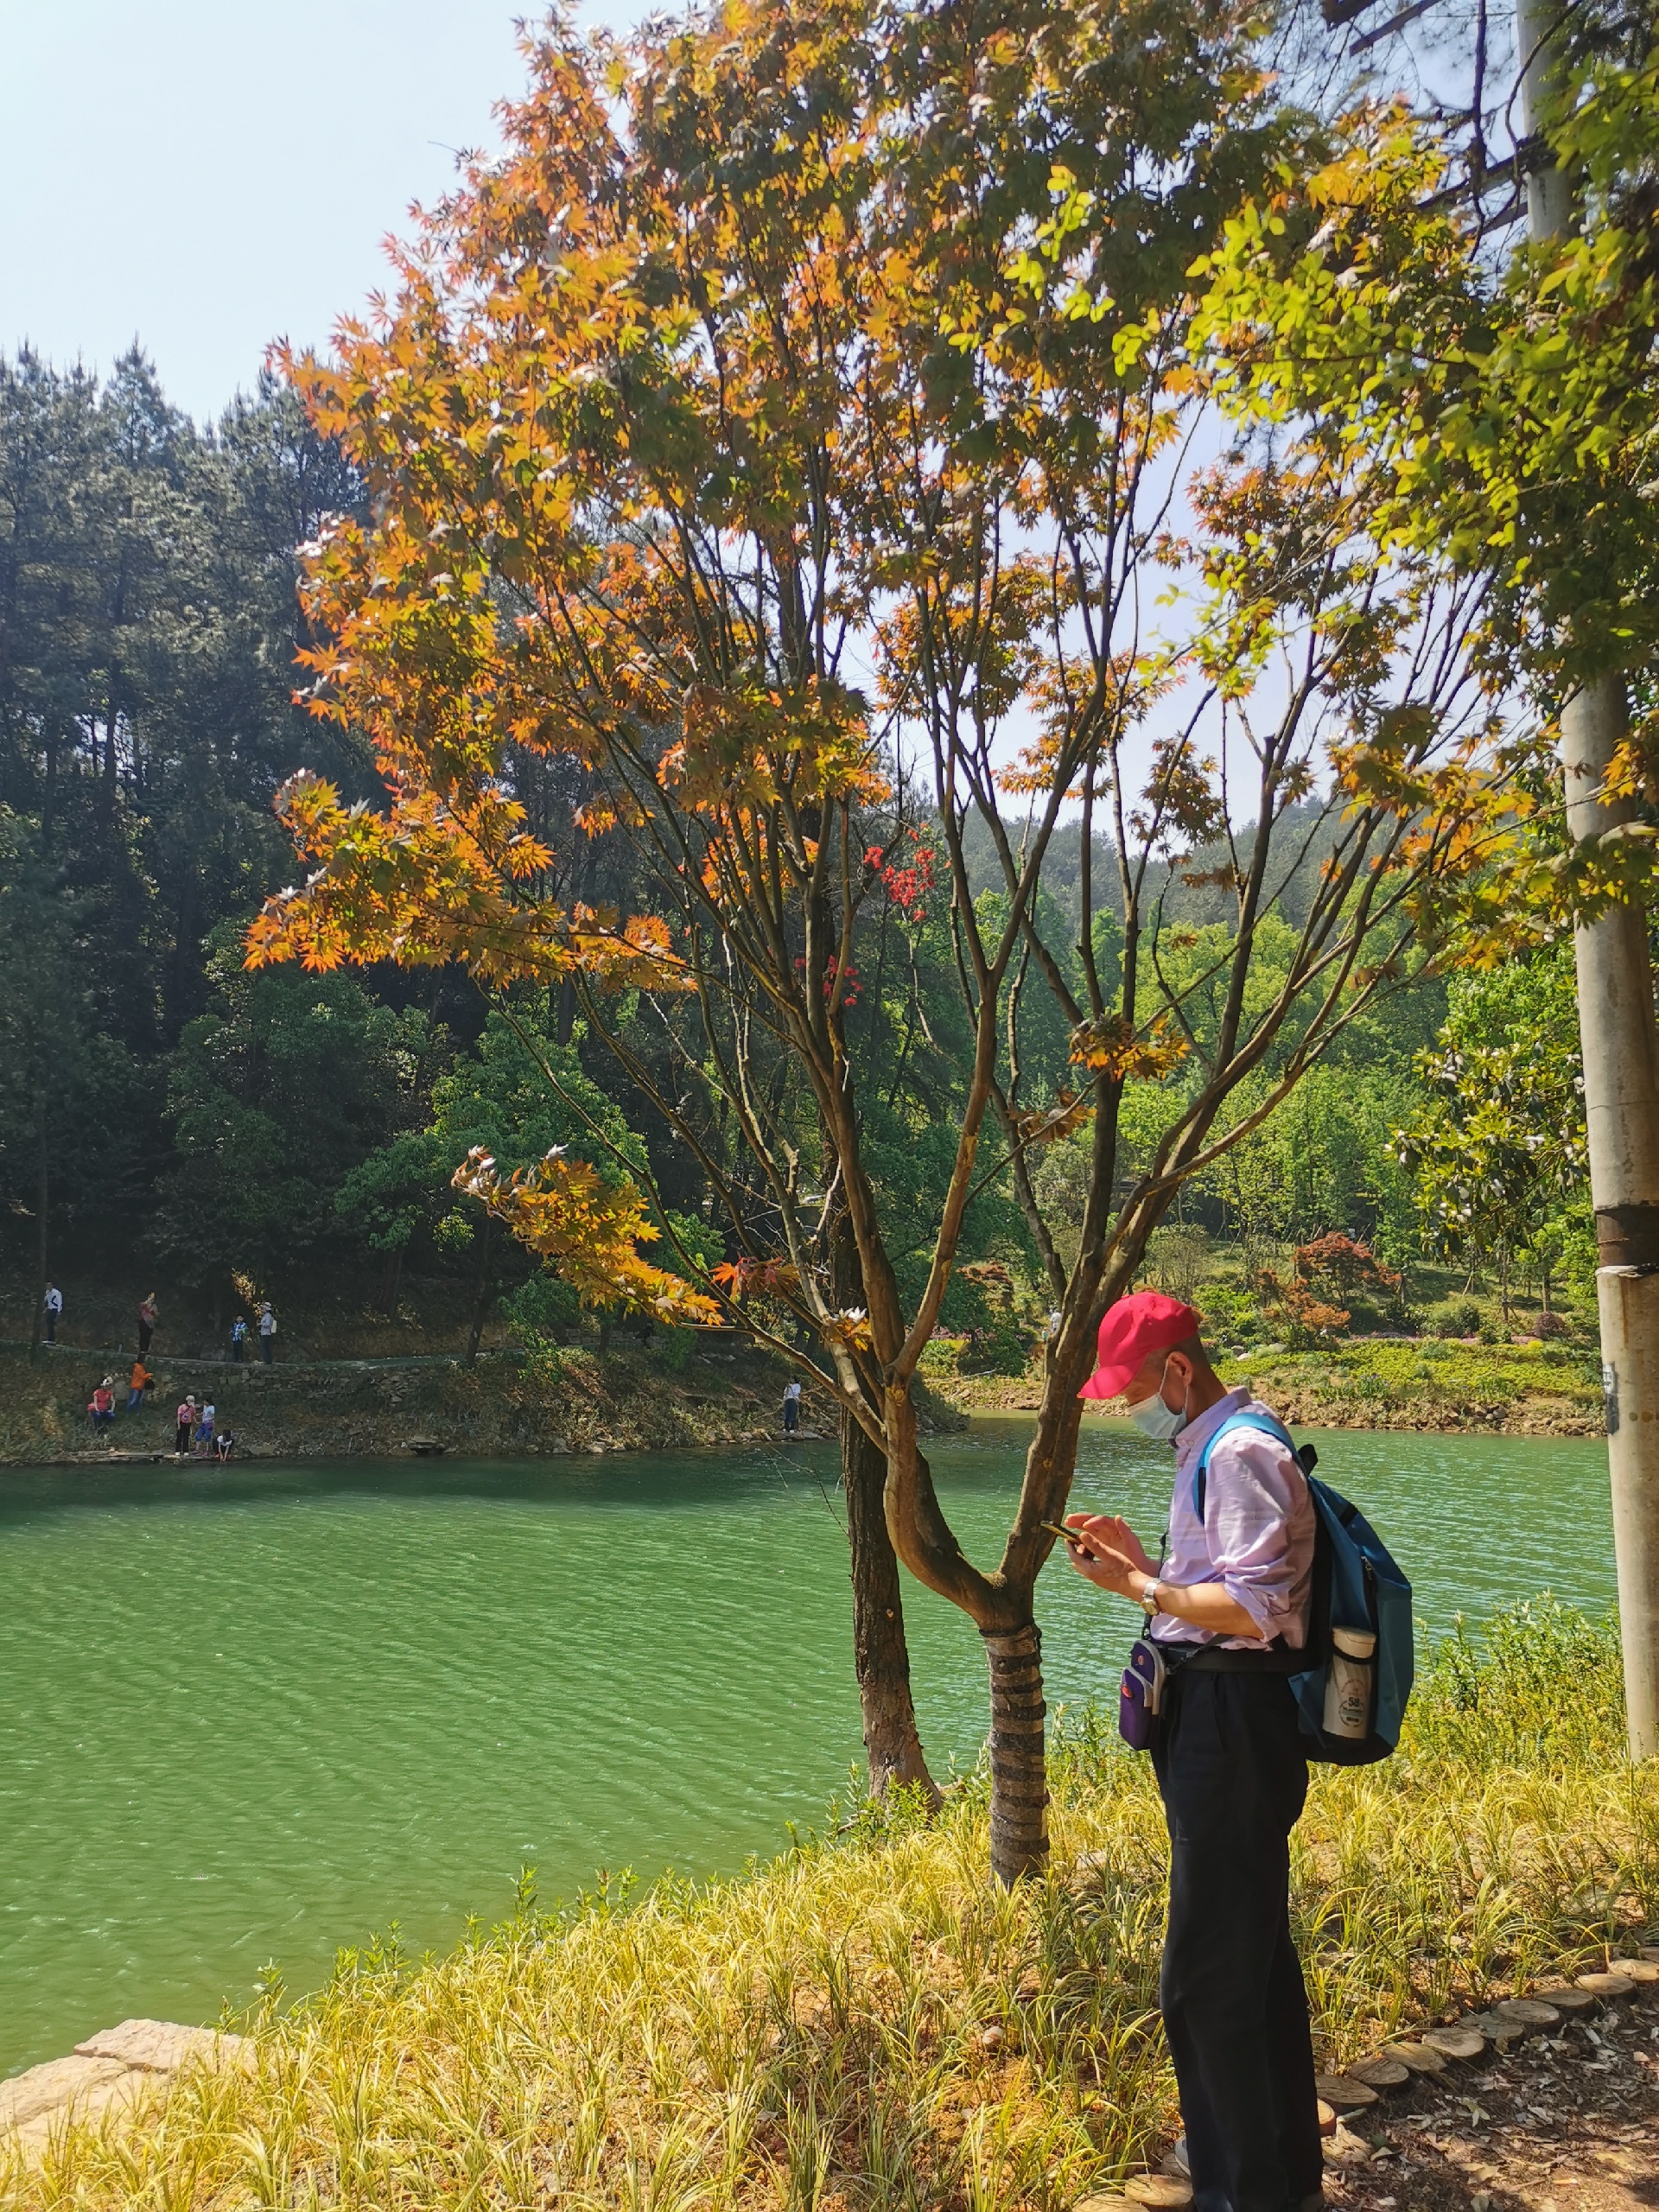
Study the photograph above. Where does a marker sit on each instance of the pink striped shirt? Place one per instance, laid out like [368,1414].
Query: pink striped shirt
[1256,1536]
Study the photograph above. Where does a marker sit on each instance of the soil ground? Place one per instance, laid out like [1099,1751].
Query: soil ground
[1563,2123]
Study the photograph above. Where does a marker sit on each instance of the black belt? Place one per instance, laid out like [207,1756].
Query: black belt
[1213,1659]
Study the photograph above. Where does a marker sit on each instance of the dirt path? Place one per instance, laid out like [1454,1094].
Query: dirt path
[1566,2121]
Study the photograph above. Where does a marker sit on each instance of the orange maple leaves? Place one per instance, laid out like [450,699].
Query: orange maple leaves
[419,886]
[589,1229]
[1112,1046]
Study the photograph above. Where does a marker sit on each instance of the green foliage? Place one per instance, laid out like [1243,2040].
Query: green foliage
[1498,1147]
[274,1096]
[73,1106]
[542,1307]
[1430,1383]
[1232,1315]
[1543,1688]
[148,619]
[675,1348]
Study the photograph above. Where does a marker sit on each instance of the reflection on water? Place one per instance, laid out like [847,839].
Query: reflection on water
[259,1712]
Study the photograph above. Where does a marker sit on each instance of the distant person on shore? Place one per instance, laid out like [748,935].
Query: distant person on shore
[52,1306]
[148,1313]
[792,1408]
[186,1418]
[205,1434]
[267,1332]
[239,1337]
[224,1445]
[138,1382]
[101,1406]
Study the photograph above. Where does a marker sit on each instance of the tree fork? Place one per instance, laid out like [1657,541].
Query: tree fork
[1621,1053]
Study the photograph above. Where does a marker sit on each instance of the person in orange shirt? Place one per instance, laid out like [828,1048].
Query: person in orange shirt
[138,1382]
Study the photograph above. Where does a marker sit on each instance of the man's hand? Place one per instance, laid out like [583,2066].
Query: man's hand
[1109,1553]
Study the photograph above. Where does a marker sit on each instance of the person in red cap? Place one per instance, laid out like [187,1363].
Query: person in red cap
[1228,1606]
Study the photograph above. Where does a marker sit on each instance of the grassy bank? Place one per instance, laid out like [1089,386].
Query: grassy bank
[868,2022]
[578,1400]
[1424,1383]
[1540,1389]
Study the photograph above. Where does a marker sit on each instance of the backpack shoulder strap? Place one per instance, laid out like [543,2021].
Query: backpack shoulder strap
[1263,1423]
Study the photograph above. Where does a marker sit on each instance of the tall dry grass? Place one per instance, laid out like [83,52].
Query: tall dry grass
[869,2022]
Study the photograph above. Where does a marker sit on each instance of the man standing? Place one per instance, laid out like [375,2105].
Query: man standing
[1228,1610]
[147,1314]
[792,1408]
[267,1332]
[52,1303]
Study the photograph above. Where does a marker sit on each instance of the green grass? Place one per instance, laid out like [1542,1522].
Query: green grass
[1431,1383]
[869,2022]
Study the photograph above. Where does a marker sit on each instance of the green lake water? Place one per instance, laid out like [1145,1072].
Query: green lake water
[260,1712]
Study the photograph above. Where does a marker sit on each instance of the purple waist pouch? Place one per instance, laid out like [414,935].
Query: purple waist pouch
[1140,1695]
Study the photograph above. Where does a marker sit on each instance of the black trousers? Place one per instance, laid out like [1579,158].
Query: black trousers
[1230,1767]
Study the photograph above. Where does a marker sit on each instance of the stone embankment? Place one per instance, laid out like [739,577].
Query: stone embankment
[109,2076]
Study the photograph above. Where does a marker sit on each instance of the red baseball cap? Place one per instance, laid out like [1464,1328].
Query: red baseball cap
[1135,1327]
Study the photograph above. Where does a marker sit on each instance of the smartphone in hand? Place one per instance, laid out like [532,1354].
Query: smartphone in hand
[1068,1535]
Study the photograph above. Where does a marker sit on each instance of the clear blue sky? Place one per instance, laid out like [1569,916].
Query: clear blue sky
[207,174]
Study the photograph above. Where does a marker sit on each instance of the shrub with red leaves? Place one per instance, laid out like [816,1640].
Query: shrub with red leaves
[908,884]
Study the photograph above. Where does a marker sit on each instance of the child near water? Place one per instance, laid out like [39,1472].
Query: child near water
[138,1382]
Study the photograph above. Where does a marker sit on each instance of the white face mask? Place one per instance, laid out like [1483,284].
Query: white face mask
[1156,1420]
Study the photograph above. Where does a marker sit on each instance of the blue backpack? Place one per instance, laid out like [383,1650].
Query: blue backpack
[1356,1585]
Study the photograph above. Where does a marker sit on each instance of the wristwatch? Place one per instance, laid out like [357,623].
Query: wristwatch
[1149,1597]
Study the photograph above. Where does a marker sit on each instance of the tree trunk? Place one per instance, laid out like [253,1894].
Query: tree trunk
[1018,1774]
[880,1654]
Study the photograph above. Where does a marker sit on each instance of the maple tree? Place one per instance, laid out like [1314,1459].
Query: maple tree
[796,428]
